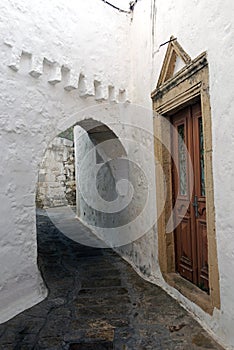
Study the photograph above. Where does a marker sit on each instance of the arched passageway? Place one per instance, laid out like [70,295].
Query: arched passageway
[84,172]
[95,300]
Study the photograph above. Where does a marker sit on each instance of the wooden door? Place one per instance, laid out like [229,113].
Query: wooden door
[189,196]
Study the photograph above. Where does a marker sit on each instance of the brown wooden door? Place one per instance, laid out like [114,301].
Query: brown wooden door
[189,196]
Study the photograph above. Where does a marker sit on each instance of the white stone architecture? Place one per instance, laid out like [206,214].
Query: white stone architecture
[65,62]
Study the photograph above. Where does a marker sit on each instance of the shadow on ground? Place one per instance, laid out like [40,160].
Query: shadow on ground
[97,302]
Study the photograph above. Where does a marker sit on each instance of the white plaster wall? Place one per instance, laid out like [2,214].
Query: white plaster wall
[50,55]
[81,37]
[112,184]
[45,49]
[199,26]
[95,182]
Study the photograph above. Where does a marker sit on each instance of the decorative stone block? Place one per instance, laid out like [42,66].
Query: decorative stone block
[56,75]
[101,92]
[73,80]
[36,66]
[122,95]
[86,86]
[112,94]
[14,63]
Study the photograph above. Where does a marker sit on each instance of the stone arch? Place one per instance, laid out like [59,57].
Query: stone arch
[42,90]
[36,112]
[59,160]
[100,140]
[40,116]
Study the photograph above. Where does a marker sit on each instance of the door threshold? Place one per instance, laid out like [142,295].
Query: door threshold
[190,291]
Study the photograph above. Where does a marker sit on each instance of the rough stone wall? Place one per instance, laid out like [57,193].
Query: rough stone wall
[56,180]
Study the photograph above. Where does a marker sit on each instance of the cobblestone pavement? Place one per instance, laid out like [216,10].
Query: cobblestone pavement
[97,302]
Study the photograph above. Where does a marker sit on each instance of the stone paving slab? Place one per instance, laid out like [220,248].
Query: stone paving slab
[97,302]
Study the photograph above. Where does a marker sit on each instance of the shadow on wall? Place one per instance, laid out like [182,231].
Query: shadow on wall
[99,156]
[82,154]
[87,166]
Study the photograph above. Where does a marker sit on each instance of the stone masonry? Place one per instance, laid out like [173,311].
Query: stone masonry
[56,182]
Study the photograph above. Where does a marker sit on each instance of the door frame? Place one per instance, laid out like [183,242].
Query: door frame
[191,83]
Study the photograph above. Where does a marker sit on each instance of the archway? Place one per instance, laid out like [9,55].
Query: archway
[82,166]
[28,289]
[21,281]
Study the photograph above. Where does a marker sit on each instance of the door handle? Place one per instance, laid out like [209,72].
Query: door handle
[195,205]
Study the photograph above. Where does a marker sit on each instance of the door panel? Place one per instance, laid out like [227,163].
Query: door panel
[185,265]
[191,232]
[184,232]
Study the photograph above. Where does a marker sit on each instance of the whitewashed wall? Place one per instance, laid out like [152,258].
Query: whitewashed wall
[59,62]
[46,49]
[93,180]
[113,183]
[199,26]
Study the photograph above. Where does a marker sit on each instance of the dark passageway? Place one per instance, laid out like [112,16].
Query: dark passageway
[97,302]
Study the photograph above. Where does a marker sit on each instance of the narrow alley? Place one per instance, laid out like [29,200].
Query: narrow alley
[97,302]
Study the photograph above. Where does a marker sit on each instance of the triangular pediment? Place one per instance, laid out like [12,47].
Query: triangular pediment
[175,59]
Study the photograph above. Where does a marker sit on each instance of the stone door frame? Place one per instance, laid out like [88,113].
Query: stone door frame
[191,83]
